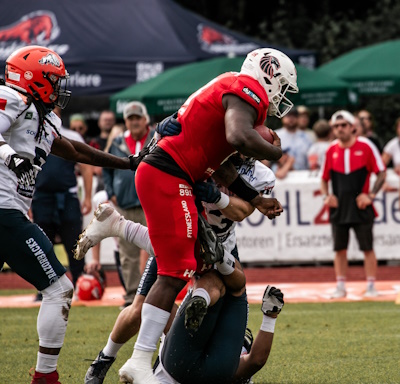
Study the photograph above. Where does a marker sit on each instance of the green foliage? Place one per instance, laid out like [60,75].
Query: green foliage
[314,343]
[329,27]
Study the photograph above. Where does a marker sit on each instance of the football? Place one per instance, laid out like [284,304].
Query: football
[265,133]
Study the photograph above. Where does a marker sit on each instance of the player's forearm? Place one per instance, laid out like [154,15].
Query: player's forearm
[235,282]
[238,209]
[249,143]
[232,274]
[250,364]
[83,153]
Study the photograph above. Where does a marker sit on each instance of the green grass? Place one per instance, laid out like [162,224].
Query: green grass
[314,343]
[12,292]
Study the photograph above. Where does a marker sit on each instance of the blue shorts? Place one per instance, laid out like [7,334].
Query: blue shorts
[27,250]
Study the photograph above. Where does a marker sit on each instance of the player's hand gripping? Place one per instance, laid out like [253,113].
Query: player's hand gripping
[22,167]
[272,301]
[170,126]
[269,207]
[277,140]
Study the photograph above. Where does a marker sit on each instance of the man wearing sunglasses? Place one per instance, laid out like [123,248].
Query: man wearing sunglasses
[349,162]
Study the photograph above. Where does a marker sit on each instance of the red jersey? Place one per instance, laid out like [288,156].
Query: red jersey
[201,146]
[350,170]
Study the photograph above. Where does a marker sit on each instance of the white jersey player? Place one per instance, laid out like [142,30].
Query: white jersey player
[29,131]
[261,178]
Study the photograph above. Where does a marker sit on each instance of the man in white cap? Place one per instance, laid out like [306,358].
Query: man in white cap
[121,190]
[349,162]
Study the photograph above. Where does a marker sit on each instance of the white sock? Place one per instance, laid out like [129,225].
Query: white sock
[370,282]
[111,349]
[138,234]
[202,293]
[341,282]
[268,324]
[53,314]
[46,363]
[154,320]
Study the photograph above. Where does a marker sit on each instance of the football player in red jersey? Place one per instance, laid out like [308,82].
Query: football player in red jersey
[216,121]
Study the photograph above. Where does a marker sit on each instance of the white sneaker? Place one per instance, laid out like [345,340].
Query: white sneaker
[371,292]
[339,293]
[130,374]
[105,223]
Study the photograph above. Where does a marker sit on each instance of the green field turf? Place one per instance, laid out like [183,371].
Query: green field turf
[314,343]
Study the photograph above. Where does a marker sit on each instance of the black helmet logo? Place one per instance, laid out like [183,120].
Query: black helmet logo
[267,64]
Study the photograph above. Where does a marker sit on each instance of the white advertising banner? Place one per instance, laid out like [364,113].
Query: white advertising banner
[302,234]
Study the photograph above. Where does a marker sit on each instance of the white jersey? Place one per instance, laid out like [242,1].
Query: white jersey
[392,148]
[261,178]
[20,136]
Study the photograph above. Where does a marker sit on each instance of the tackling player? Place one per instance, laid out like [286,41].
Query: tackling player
[35,82]
[222,215]
[217,121]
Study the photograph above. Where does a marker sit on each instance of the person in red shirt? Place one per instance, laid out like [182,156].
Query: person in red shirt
[216,121]
[121,191]
[349,162]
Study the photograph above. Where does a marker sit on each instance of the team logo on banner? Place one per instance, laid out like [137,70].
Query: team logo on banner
[214,41]
[39,27]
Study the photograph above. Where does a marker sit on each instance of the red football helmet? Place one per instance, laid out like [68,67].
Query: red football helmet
[89,287]
[40,72]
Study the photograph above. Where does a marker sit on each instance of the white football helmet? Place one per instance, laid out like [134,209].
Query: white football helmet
[276,73]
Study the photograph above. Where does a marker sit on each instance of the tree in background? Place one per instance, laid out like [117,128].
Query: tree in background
[329,27]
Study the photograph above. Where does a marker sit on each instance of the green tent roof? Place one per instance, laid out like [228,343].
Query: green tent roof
[165,93]
[372,70]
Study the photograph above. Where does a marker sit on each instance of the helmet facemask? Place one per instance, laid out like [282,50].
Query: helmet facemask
[279,104]
[61,95]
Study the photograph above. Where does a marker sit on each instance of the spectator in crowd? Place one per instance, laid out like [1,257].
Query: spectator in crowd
[349,162]
[391,151]
[316,153]
[105,123]
[294,140]
[359,129]
[368,124]
[56,206]
[121,191]
[281,167]
[102,197]
[303,122]
[78,124]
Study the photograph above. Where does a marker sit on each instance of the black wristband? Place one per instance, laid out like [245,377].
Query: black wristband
[243,189]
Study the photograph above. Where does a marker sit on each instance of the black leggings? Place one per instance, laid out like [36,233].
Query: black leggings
[210,355]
